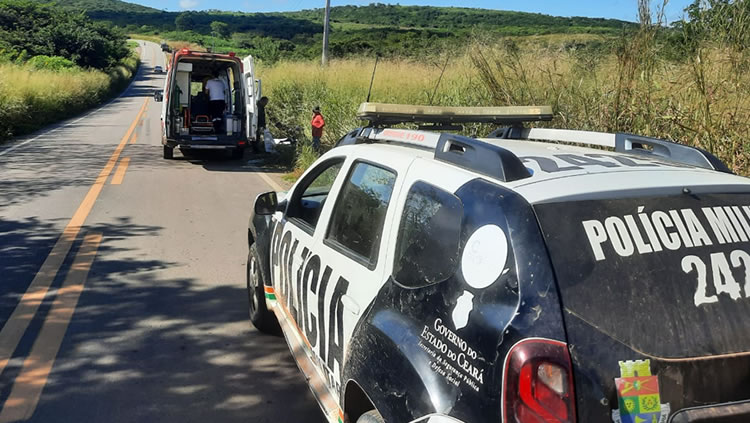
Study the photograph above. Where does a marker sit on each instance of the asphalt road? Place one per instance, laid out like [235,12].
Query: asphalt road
[122,284]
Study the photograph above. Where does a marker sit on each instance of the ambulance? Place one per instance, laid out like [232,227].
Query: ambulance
[190,121]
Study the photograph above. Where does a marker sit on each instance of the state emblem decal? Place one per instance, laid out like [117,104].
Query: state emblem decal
[638,395]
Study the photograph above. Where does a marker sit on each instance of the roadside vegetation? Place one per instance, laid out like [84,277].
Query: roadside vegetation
[688,82]
[56,64]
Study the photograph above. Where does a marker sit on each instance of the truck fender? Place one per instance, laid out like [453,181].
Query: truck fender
[260,233]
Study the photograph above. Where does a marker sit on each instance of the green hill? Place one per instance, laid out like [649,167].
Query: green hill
[376,28]
[376,14]
[105,5]
[454,17]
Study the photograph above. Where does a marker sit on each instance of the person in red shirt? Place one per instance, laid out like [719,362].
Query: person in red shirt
[317,127]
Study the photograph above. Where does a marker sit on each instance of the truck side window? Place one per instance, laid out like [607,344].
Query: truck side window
[309,198]
[429,237]
[357,222]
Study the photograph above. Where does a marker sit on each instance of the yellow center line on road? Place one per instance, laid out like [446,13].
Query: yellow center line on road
[19,320]
[120,172]
[28,386]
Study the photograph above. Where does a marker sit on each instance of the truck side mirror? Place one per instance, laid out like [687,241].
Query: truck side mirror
[158,96]
[266,204]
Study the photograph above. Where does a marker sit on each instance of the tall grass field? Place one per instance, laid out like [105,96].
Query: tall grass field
[31,98]
[699,96]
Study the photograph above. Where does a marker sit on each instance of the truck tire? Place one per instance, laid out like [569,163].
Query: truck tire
[168,152]
[371,416]
[263,319]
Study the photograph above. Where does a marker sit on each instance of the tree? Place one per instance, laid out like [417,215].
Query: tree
[41,30]
[220,29]
[185,21]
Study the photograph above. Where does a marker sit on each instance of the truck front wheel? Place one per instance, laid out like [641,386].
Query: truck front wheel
[262,318]
[168,152]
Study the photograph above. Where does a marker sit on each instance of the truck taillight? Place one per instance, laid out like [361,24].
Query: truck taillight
[538,383]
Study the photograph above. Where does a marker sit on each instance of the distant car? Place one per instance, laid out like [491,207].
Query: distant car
[158,69]
[423,276]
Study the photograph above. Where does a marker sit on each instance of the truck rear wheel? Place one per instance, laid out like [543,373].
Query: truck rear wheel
[168,152]
[262,318]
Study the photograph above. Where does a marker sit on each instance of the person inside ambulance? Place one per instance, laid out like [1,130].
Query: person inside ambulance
[217,94]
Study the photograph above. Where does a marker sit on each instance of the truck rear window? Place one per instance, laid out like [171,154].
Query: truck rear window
[667,276]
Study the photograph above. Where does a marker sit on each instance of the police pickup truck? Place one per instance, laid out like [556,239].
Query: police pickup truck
[534,275]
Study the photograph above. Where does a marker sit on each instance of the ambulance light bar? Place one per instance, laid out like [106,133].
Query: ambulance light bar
[392,114]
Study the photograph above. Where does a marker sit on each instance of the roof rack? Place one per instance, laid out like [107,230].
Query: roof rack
[468,153]
[379,114]
[622,143]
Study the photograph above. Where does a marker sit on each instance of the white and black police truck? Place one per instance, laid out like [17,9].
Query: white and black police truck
[534,275]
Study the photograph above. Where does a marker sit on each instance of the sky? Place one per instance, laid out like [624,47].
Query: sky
[617,9]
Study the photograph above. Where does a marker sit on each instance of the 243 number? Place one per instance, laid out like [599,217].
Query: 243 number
[721,274]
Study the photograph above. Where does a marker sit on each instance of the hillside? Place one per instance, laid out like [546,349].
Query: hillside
[390,30]
[106,5]
[375,14]
[455,17]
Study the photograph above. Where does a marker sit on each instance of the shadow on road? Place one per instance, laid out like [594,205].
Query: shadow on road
[80,165]
[217,161]
[143,347]
[26,243]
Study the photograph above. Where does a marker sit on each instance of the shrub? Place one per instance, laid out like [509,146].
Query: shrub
[52,63]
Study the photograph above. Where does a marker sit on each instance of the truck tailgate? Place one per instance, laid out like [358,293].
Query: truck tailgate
[656,300]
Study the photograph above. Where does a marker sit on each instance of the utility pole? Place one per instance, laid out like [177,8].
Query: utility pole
[326,30]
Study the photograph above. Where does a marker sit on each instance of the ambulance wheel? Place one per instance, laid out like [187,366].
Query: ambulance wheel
[261,317]
[371,416]
[168,152]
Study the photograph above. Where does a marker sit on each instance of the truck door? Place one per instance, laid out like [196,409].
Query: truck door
[251,97]
[354,247]
[165,126]
[297,270]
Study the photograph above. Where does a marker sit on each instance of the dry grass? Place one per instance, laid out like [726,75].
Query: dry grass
[294,88]
[702,101]
[32,98]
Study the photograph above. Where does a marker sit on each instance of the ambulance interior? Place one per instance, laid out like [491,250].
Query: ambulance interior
[190,101]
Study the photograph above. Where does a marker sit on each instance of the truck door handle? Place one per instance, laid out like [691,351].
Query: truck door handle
[350,304]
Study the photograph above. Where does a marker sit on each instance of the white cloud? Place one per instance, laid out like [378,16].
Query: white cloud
[188,4]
